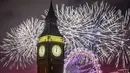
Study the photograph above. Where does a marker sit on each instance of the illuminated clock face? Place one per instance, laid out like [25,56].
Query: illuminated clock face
[41,51]
[56,50]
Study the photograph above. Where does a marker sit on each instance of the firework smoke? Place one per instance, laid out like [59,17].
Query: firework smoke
[99,28]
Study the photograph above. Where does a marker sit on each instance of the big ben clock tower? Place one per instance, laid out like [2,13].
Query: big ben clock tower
[50,48]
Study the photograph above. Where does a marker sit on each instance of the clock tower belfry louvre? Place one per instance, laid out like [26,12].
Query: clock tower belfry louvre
[50,47]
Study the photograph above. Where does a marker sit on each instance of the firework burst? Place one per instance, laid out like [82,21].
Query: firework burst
[99,28]
[19,47]
[92,27]
[122,52]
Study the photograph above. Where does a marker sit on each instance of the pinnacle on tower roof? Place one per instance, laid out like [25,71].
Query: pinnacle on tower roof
[51,23]
[51,12]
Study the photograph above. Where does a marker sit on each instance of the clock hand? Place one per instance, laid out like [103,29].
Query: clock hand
[56,49]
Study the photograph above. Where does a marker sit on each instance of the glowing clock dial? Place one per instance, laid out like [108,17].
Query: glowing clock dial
[41,51]
[56,50]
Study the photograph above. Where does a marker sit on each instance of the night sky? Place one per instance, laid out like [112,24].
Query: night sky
[14,12]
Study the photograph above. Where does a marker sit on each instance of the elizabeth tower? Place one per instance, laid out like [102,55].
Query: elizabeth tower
[50,47]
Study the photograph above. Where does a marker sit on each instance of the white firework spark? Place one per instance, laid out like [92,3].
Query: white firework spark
[122,52]
[97,28]
[19,47]
[88,27]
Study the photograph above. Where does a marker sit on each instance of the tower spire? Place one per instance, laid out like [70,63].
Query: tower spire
[51,13]
[51,23]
